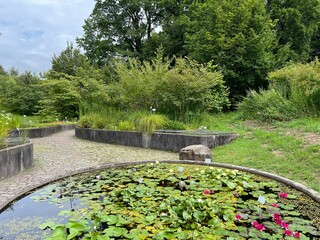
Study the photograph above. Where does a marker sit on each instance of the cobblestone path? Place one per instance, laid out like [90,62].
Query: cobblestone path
[63,153]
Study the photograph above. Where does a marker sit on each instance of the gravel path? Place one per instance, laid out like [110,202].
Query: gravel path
[63,153]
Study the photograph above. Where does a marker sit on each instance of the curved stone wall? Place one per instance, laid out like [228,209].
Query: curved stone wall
[41,132]
[168,141]
[14,160]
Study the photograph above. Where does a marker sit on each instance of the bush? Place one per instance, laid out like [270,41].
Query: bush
[150,123]
[175,125]
[299,83]
[7,122]
[86,121]
[268,105]
[126,126]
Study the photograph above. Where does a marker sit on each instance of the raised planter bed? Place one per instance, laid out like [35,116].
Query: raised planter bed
[41,132]
[14,160]
[162,140]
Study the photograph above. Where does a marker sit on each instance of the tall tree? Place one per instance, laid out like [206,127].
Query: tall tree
[119,28]
[297,26]
[237,35]
[69,60]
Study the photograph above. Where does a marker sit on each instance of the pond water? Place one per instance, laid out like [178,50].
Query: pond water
[22,219]
[162,201]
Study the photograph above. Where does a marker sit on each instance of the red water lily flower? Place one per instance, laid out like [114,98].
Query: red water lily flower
[288,232]
[284,225]
[283,195]
[275,205]
[296,235]
[238,217]
[258,226]
[206,191]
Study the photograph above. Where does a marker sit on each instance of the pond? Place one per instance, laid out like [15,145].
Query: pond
[163,201]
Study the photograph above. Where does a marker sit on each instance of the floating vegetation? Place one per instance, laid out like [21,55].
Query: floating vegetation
[168,201]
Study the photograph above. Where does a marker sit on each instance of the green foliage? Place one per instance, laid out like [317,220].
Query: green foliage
[187,86]
[294,92]
[126,126]
[164,201]
[297,26]
[175,125]
[7,123]
[267,105]
[300,83]
[151,122]
[92,121]
[239,36]
[68,61]
[20,93]
[61,99]
[129,22]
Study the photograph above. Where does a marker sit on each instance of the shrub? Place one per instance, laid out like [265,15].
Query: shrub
[150,123]
[175,125]
[86,121]
[7,122]
[126,126]
[267,105]
[300,83]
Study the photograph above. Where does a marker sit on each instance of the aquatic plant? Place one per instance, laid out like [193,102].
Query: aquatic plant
[164,201]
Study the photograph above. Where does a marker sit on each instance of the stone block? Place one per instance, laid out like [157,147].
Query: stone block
[195,153]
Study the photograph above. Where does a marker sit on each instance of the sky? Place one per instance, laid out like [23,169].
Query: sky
[32,31]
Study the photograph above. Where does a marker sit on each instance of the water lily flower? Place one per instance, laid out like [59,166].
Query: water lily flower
[98,177]
[296,235]
[283,195]
[284,225]
[274,205]
[238,217]
[206,191]
[277,216]
[157,162]
[288,232]
[258,226]
[180,169]
[140,180]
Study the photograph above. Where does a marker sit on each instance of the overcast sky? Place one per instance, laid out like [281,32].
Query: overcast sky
[33,30]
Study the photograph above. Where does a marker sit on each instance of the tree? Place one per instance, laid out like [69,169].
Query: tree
[297,26]
[20,94]
[119,28]
[174,90]
[69,60]
[237,35]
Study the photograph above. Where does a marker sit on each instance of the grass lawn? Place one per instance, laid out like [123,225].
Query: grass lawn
[289,149]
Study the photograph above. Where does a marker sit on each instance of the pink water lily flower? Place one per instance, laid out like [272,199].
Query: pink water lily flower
[238,217]
[284,225]
[274,205]
[288,232]
[258,226]
[296,235]
[206,191]
[283,195]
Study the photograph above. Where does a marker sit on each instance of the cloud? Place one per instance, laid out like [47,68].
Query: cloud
[34,30]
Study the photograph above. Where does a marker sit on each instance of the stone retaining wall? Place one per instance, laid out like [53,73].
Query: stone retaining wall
[14,160]
[157,140]
[41,132]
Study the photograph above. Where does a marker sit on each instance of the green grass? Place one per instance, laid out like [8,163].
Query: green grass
[37,121]
[276,148]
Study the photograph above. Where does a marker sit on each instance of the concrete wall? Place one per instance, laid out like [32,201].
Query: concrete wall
[42,132]
[158,140]
[14,160]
